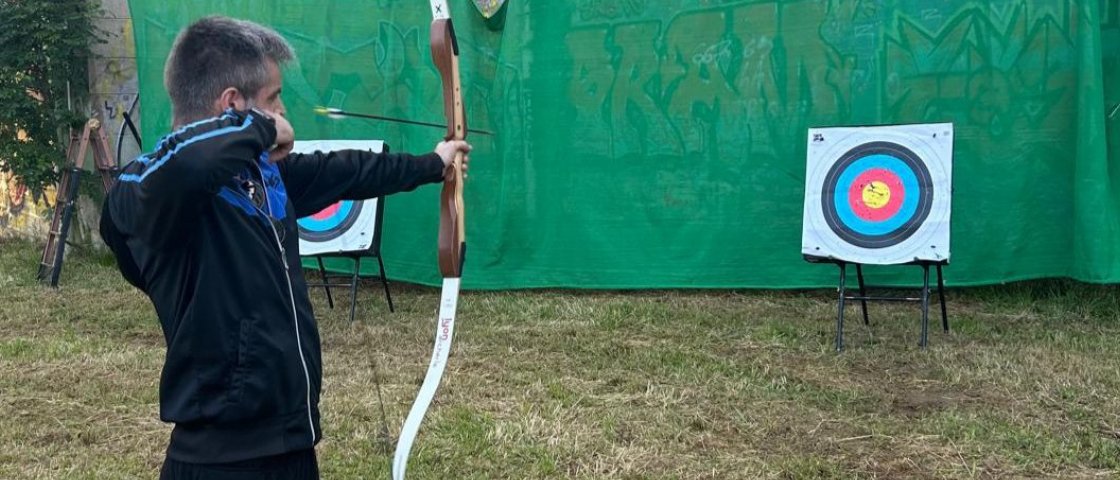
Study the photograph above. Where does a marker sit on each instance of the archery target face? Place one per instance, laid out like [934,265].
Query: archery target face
[878,195]
[345,226]
[331,222]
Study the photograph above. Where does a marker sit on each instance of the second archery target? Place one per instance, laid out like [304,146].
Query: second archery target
[345,226]
[331,222]
[878,195]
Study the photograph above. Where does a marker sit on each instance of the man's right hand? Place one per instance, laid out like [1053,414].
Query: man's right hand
[285,138]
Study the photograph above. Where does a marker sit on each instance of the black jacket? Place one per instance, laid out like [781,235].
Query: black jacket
[243,368]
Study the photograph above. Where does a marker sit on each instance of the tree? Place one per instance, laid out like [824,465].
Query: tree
[44,58]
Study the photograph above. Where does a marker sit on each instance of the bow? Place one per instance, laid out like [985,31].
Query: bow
[452,232]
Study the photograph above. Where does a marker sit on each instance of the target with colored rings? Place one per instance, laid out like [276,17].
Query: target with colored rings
[345,225]
[877,195]
[331,222]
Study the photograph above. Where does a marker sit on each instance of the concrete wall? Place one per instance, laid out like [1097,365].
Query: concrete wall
[112,75]
[113,88]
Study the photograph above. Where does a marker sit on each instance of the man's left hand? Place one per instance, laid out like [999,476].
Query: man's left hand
[448,149]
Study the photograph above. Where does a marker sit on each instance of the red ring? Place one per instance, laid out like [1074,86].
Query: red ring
[327,212]
[867,212]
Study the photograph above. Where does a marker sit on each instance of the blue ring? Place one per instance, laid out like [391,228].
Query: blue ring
[905,212]
[831,203]
[329,223]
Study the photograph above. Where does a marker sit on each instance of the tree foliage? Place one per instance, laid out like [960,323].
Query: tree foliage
[44,62]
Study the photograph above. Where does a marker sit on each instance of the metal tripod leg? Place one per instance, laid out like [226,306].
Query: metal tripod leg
[385,283]
[941,295]
[862,293]
[925,306]
[840,310]
[326,285]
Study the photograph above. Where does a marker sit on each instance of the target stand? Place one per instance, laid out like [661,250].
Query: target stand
[352,278]
[879,196]
[347,229]
[924,296]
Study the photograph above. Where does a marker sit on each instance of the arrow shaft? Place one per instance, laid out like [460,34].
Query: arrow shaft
[397,120]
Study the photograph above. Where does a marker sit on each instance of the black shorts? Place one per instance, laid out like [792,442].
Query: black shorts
[300,465]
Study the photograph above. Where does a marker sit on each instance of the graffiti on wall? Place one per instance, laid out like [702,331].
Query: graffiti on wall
[22,213]
[717,81]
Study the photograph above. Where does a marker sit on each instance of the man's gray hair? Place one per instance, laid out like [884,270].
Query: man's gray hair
[216,53]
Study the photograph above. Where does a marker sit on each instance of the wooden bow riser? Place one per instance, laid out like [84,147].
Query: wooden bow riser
[452,232]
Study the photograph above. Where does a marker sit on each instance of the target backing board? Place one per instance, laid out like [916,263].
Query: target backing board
[345,226]
[878,195]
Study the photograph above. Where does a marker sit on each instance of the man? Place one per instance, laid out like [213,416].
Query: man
[205,225]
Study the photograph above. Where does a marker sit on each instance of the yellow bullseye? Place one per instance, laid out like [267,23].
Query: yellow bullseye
[876,194]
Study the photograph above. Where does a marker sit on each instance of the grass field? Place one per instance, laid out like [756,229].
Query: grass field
[557,384]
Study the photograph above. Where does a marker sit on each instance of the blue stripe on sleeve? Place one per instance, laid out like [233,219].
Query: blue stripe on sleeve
[163,142]
[159,163]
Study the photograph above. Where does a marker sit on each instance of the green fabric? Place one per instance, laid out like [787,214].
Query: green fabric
[662,144]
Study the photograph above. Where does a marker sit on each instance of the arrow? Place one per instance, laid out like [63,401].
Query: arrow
[339,113]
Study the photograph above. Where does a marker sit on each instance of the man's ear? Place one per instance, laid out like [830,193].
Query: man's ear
[231,97]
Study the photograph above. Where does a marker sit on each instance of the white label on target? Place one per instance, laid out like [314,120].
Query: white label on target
[878,195]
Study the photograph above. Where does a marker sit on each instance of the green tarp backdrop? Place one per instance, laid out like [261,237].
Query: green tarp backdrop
[651,144]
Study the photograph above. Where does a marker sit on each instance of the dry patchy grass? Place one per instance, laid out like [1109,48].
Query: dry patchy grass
[558,384]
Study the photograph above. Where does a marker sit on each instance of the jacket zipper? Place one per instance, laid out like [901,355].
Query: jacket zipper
[291,296]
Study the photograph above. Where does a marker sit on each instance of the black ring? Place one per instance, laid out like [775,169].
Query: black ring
[336,231]
[896,236]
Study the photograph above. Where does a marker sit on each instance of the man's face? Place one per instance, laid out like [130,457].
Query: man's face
[268,97]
